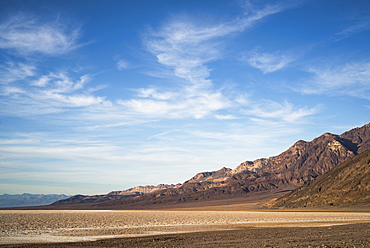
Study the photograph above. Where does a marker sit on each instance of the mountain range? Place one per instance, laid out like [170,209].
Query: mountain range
[301,163]
[7,200]
[115,195]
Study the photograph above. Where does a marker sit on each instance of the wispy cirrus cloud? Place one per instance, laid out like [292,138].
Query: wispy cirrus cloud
[122,65]
[358,27]
[14,71]
[267,62]
[284,112]
[27,89]
[27,35]
[156,94]
[226,117]
[349,79]
[195,106]
[184,49]
[54,92]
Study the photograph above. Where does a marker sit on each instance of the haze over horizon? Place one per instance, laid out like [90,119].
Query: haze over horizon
[99,96]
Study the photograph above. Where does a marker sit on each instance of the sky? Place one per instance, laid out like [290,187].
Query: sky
[107,95]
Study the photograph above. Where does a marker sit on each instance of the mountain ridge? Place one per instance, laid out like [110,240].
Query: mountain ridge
[114,195]
[299,164]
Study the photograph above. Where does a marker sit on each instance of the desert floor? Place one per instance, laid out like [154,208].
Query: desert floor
[156,228]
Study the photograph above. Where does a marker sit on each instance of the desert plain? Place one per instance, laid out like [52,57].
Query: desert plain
[183,228]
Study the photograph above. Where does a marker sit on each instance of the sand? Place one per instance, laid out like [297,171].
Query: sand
[53,226]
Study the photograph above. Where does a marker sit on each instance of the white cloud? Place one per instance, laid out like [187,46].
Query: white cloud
[10,90]
[62,83]
[268,62]
[226,117]
[12,71]
[51,93]
[197,105]
[28,35]
[154,94]
[42,81]
[81,100]
[122,65]
[351,79]
[284,112]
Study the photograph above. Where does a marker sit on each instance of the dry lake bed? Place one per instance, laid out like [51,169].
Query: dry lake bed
[51,226]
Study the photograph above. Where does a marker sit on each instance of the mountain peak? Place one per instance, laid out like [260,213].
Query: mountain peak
[210,175]
[328,134]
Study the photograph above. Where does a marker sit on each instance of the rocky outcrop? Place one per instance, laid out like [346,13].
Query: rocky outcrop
[142,190]
[347,184]
[214,176]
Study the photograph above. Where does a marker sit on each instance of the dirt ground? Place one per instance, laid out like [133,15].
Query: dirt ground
[353,235]
[184,229]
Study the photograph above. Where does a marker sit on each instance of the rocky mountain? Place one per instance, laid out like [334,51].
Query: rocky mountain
[7,200]
[114,195]
[142,190]
[301,163]
[347,184]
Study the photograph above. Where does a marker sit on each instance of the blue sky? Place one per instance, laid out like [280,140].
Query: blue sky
[106,95]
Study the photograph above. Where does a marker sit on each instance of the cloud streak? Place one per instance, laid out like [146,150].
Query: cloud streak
[122,65]
[15,71]
[268,62]
[51,93]
[284,112]
[350,79]
[27,35]
[358,27]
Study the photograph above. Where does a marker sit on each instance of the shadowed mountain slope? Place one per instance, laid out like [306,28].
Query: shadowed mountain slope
[345,185]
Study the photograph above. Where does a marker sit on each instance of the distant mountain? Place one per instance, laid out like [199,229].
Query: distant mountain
[348,184]
[301,163]
[25,199]
[114,195]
